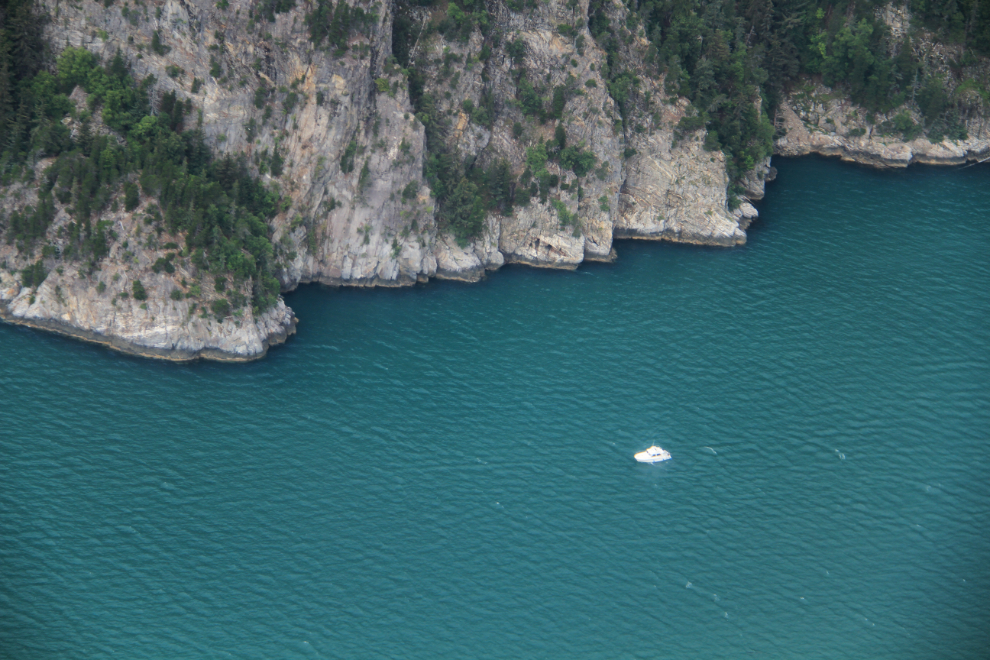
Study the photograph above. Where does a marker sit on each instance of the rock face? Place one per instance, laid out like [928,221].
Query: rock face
[357,210]
[815,119]
[647,184]
[818,121]
[163,329]
[102,307]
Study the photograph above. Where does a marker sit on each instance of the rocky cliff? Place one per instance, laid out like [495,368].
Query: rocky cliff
[355,207]
[818,120]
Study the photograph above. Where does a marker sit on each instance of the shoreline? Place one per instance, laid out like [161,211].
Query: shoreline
[120,345]
[837,149]
[804,135]
[875,160]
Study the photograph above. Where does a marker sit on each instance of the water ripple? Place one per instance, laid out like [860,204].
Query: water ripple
[446,471]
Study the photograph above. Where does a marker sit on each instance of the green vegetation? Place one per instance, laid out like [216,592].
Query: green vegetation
[365,175]
[335,25]
[959,21]
[289,102]
[220,307]
[347,158]
[24,126]
[156,44]
[131,196]
[219,207]
[465,192]
[462,18]
[567,218]
[34,274]
[138,290]
[164,263]
[727,56]
[463,210]
[578,160]
[268,8]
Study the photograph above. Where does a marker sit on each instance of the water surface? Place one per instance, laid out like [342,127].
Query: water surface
[446,471]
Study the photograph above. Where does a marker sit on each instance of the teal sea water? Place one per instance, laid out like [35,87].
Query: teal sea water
[446,471]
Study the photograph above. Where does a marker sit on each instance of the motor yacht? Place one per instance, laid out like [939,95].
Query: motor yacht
[652,455]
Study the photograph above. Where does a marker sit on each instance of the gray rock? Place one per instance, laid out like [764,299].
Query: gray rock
[342,228]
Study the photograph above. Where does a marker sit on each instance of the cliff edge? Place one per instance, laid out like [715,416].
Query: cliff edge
[375,144]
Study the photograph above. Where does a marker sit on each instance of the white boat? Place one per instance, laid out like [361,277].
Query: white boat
[652,455]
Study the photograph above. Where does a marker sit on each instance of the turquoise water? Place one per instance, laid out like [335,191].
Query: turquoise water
[446,471]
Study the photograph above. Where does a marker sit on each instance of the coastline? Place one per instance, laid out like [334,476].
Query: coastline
[121,345]
[833,128]
[870,155]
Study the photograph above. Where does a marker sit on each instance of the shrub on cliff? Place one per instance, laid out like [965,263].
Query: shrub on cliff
[460,21]
[220,307]
[566,218]
[335,25]
[268,8]
[156,44]
[580,161]
[138,290]
[464,211]
[347,158]
[31,224]
[932,98]
[364,178]
[34,274]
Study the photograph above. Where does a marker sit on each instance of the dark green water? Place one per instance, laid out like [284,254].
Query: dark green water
[447,471]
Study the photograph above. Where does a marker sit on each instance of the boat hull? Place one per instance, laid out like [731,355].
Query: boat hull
[646,457]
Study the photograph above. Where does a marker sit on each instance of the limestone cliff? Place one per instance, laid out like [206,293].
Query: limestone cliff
[355,206]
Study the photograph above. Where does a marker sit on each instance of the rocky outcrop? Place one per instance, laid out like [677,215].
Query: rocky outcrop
[262,88]
[680,198]
[171,320]
[816,120]
[164,330]
[646,184]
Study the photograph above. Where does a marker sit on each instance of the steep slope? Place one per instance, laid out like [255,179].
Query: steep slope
[498,132]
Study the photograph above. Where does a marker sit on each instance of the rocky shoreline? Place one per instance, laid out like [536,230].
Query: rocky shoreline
[836,129]
[226,343]
[136,349]
[230,344]
[378,224]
